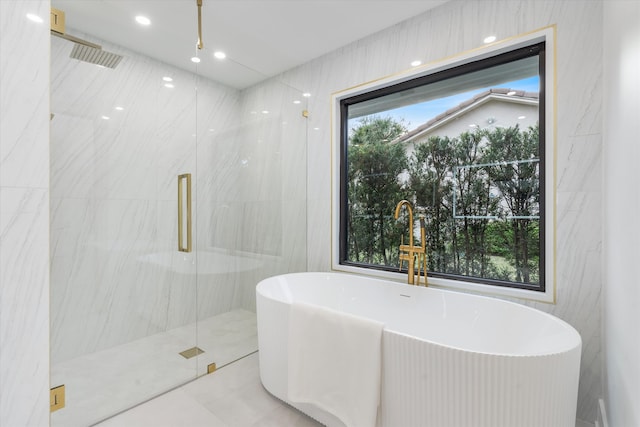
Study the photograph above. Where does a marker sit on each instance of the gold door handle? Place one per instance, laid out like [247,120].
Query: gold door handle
[184,181]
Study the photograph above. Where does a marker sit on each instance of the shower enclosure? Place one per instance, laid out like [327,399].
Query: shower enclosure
[128,296]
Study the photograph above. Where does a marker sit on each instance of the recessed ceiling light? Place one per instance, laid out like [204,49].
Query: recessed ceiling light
[105,117]
[416,63]
[306,94]
[489,39]
[265,112]
[296,102]
[169,85]
[143,20]
[119,108]
[220,55]
[167,79]
[511,93]
[195,59]
[35,18]
[522,117]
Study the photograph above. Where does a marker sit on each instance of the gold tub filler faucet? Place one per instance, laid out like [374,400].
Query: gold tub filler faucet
[416,256]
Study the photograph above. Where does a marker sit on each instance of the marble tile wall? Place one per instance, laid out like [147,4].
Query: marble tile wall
[252,203]
[24,214]
[114,276]
[459,26]
[115,268]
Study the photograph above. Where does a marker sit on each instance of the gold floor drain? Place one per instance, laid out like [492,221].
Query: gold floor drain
[192,352]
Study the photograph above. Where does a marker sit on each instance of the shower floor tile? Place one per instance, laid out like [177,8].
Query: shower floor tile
[230,397]
[101,384]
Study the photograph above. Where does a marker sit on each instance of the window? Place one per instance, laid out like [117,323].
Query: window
[467,145]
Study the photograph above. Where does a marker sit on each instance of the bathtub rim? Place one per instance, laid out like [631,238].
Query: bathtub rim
[566,348]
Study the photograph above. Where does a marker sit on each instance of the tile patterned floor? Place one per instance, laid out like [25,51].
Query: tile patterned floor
[102,384]
[230,397]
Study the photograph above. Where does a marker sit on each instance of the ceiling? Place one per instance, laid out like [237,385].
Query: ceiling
[261,38]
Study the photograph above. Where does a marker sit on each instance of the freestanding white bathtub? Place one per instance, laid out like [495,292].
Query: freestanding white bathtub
[448,358]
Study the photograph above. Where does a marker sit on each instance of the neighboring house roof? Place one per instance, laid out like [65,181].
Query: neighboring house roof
[499,94]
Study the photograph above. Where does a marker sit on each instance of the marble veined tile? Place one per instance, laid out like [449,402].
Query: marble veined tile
[101,384]
[173,409]
[24,208]
[98,274]
[24,160]
[579,161]
[24,306]
[236,396]
[230,397]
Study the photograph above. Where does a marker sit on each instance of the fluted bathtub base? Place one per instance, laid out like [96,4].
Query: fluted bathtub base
[425,384]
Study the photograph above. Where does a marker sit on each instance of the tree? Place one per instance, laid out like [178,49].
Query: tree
[473,205]
[455,192]
[516,176]
[429,168]
[479,190]
[374,187]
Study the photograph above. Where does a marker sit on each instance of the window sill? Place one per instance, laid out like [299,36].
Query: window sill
[456,285]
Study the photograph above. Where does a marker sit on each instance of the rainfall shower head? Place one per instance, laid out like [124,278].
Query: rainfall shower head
[82,49]
[95,56]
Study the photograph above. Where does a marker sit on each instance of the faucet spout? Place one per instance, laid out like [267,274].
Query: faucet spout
[409,252]
[399,206]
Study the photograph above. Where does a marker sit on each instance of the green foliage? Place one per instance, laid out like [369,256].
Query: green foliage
[479,191]
[374,187]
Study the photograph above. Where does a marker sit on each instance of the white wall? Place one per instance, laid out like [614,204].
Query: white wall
[456,27]
[24,214]
[621,335]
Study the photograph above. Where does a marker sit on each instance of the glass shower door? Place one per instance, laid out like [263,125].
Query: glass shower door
[172,196]
[123,296]
[252,200]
